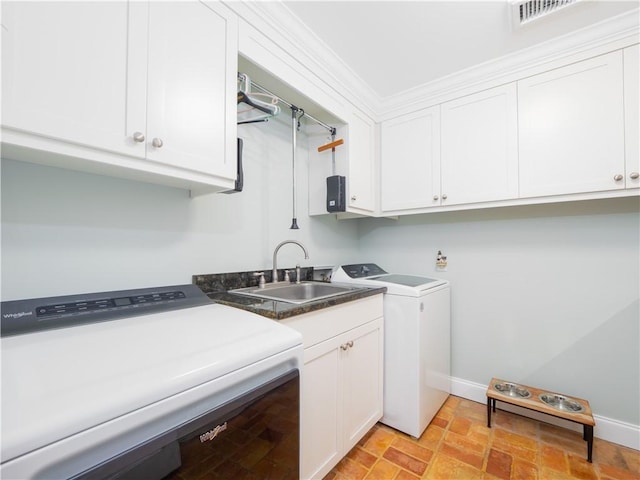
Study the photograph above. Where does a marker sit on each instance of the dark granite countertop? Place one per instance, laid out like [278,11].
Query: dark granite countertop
[217,287]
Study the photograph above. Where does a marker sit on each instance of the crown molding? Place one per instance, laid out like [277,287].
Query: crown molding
[608,35]
[290,33]
[276,20]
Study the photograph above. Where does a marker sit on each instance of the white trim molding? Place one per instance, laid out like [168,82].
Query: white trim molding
[291,34]
[608,429]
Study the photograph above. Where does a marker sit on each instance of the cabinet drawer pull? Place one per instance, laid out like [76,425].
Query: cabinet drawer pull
[444,197]
[634,175]
[435,197]
[618,177]
[157,142]
[353,198]
[138,137]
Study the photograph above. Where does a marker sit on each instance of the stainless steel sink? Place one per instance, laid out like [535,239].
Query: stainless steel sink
[298,293]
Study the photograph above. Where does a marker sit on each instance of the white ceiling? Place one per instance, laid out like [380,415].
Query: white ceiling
[397,45]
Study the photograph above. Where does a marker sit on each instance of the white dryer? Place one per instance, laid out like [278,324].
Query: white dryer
[417,343]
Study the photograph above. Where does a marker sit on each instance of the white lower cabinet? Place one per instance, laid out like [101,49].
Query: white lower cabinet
[571,128]
[341,395]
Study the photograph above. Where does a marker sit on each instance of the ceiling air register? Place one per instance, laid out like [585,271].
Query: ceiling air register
[526,11]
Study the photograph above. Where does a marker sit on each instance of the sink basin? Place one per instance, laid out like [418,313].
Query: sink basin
[298,293]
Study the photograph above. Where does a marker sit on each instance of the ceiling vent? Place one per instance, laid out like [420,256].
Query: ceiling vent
[526,11]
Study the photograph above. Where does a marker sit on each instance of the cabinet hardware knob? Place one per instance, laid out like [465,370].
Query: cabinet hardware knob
[138,137]
[634,175]
[618,177]
[435,197]
[346,346]
[157,142]
[444,197]
[353,198]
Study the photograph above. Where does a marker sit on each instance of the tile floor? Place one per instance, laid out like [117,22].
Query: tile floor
[458,445]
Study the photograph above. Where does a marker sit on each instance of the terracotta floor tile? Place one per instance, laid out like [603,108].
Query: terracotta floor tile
[379,441]
[431,437]
[404,475]
[463,443]
[499,464]
[458,445]
[463,455]
[609,472]
[348,469]
[361,456]
[447,468]
[412,448]
[439,422]
[405,461]
[554,458]
[382,470]
[516,439]
[522,470]
[580,468]
[460,425]
[516,451]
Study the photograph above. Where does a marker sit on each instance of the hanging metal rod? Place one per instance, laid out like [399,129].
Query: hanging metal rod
[331,129]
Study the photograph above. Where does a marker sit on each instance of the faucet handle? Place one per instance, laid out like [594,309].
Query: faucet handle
[298,273]
[286,276]
[261,282]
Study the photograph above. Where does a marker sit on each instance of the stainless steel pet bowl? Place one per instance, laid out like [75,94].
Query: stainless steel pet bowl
[512,390]
[560,402]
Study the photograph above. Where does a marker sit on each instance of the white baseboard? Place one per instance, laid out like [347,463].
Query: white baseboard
[608,429]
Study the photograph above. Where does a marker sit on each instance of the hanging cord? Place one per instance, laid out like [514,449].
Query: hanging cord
[295,126]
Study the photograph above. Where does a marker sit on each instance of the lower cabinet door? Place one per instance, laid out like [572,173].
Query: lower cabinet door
[362,383]
[319,445]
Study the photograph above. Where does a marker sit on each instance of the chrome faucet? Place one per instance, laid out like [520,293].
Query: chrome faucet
[274,273]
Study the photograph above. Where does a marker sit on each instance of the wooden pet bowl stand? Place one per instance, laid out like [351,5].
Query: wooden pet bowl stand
[533,402]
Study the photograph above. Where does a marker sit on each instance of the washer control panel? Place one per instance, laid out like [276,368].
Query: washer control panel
[363,270]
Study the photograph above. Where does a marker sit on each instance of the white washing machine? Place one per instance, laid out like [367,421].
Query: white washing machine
[417,343]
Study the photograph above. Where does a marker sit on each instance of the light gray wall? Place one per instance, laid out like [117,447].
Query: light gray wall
[543,295]
[546,295]
[67,232]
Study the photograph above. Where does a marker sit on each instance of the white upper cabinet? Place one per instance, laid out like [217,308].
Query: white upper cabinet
[571,127]
[479,150]
[188,71]
[355,160]
[632,115]
[410,161]
[64,72]
[361,177]
[140,90]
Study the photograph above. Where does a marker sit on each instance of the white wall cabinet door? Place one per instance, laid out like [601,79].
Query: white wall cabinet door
[410,161]
[479,150]
[361,176]
[64,72]
[632,116]
[189,79]
[571,128]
